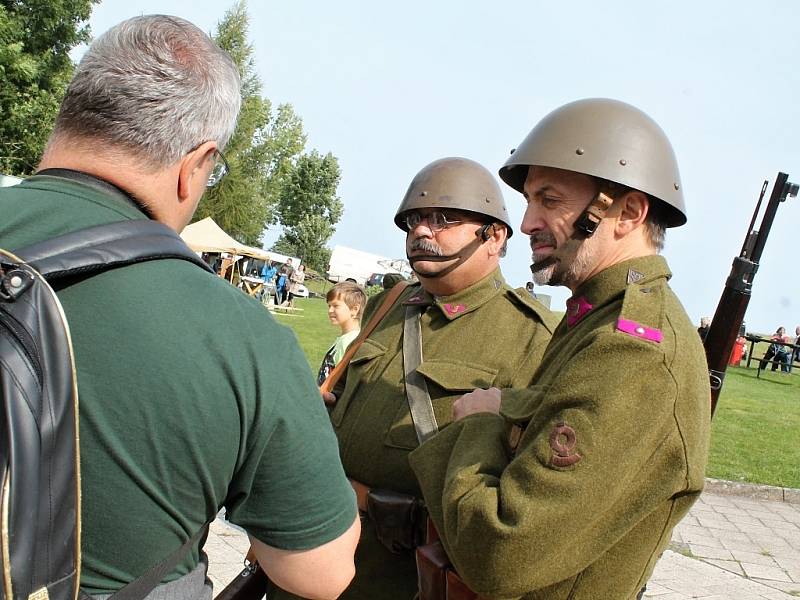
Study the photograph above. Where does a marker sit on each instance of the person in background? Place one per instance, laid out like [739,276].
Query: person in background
[346,301]
[796,354]
[268,272]
[188,415]
[702,331]
[296,279]
[282,282]
[778,354]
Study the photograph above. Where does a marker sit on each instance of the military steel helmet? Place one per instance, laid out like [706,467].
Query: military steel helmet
[457,183]
[608,139]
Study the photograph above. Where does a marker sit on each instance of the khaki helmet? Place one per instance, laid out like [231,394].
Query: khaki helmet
[457,183]
[608,139]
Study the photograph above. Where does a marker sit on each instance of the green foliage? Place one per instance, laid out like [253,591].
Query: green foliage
[308,208]
[373,290]
[261,151]
[35,68]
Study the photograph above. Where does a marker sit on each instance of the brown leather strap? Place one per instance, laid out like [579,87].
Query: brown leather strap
[391,297]
[361,491]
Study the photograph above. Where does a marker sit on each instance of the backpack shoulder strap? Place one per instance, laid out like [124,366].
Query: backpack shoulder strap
[106,246]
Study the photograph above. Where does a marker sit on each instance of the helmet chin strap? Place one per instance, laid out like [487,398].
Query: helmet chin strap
[463,254]
[584,227]
[586,224]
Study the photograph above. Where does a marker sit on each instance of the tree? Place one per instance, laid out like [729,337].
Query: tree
[261,149]
[36,37]
[308,208]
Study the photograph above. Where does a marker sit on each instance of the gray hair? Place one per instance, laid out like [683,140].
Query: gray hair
[154,85]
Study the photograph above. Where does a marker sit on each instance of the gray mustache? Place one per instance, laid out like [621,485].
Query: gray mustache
[545,237]
[426,246]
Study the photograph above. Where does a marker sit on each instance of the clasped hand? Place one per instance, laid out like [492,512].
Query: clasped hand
[477,401]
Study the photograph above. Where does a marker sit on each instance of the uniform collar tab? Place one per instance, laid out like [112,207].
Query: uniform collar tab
[612,281]
[471,298]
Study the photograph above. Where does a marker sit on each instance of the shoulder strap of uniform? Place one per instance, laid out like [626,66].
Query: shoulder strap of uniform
[642,312]
[388,301]
[107,246]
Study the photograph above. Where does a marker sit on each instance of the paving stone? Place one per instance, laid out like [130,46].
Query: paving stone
[732,566]
[756,558]
[710,552]
[760,571]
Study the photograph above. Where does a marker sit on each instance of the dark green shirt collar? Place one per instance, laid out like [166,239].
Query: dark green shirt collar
[88,187]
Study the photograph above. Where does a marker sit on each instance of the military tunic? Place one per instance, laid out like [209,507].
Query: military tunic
[486,335]
[613,455]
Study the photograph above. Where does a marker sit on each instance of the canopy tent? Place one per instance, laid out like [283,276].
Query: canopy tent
[207,236]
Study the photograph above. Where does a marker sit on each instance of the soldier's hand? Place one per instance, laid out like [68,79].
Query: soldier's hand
[477,401]
[328,398]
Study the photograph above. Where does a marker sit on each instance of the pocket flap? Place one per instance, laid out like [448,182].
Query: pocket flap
[457,376]
[367,351]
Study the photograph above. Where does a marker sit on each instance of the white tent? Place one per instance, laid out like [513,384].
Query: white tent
[207,236]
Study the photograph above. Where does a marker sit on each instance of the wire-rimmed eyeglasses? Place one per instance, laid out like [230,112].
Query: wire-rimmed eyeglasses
[221,168]
[436,220]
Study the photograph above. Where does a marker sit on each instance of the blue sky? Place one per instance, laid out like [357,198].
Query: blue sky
[390,87]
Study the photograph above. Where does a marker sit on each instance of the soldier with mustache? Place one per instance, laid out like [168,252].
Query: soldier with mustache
[460,312]
[616,428]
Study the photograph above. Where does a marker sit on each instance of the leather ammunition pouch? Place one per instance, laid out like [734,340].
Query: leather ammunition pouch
[399,519]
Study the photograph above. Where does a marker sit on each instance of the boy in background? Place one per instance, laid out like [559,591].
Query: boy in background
[346,300]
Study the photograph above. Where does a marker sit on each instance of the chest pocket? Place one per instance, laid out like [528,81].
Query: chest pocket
[361,367]
[447,380]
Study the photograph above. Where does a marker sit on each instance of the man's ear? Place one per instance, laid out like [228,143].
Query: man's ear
[633,209]
[194,165]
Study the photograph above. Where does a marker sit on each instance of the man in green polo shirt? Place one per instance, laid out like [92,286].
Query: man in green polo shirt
[616,426]
[184,408]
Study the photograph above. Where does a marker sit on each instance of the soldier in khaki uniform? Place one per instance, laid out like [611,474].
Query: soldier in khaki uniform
[616,427]
[456,228]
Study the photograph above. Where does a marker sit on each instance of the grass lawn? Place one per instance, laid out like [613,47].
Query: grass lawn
[313,329]
[756,430]
[755,436]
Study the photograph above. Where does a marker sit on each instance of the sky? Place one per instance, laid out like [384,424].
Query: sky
[391,87]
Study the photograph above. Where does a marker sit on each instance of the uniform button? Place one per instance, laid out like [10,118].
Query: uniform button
[640,330]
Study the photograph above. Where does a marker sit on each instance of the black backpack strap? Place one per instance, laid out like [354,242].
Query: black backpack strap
[140,587]
[107,246]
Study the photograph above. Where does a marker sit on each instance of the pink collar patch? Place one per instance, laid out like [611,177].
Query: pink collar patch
[577,309]
[454,309]
[638,330]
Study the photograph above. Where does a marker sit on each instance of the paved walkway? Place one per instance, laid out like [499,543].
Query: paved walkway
[727,548]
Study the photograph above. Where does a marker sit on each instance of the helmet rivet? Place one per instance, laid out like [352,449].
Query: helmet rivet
[16,281]
[488,201]
[677,187]
[423,193]
[623,162]
[579,151]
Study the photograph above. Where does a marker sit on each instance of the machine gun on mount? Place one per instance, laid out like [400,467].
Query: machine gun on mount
[729,315]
